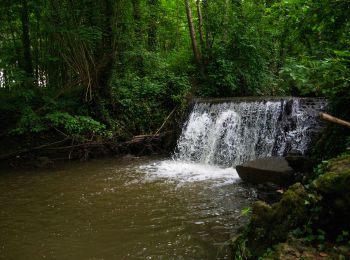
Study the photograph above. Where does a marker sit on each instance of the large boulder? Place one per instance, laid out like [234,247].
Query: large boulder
[270,169]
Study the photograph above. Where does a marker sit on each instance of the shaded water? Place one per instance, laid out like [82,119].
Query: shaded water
[120,209]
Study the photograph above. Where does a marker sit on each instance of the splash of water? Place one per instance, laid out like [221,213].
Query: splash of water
[189,172]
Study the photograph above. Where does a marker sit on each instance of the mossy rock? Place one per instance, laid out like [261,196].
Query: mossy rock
[336,180]
[271,224]
[334,184]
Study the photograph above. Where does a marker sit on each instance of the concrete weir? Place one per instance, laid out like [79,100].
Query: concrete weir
[230,131]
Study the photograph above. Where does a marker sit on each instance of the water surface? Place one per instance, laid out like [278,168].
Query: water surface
[120,209]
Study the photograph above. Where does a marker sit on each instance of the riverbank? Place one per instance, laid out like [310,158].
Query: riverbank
[45,156]
[310,220]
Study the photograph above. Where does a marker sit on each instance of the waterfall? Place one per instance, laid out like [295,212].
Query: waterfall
[230,133]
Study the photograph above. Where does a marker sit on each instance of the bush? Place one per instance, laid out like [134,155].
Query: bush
[309,76]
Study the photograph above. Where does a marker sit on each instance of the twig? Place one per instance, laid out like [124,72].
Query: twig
[74,146]
[166,119]
[71,150]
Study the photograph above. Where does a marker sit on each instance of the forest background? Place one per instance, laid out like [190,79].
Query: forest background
[82,72]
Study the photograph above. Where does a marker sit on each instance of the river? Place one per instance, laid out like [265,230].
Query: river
[136,208]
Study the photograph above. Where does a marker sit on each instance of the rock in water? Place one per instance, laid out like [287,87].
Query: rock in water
[270,169]
[296,159]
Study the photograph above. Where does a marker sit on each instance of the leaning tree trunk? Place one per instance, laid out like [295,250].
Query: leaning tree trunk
[334,120]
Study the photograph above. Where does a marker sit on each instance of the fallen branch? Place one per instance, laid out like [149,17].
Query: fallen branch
[139,138]
[332,119]
[166,119]
[76,145]
[156,134]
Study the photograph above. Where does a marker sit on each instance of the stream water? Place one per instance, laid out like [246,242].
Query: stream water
[120,209]
[180,208]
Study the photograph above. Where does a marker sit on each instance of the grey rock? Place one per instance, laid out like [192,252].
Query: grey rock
[295,159]
[270,169]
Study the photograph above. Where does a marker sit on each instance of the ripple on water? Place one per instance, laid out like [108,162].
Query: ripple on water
[121,210]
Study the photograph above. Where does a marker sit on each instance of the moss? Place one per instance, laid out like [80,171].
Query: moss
[271,224]
[336,180]
[292,206]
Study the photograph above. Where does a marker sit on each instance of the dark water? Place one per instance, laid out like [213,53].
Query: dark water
[110,209]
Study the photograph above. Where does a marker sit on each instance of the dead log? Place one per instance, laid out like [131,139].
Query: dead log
[332,119]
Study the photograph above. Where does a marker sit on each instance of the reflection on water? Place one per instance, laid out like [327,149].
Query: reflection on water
[118,209]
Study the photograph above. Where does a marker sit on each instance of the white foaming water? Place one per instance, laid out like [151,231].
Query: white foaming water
[181,171]
[228,134]
[217,137]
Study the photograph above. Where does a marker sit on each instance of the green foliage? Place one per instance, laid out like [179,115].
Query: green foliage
[246,211]
[320,169]
[309,235]
[75,125]
[238,61]
[312,45]
[326,77]
[31,123]
[145,101]
[240,248]
[126,64]
[344,236]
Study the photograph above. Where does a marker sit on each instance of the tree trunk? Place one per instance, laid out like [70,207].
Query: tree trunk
[106,53]
[177,38]
[138,60]
[207,31]
[195,49]
[105,61]
[152,29]
[27,55]
[200,24]
[226,21]
[137,19]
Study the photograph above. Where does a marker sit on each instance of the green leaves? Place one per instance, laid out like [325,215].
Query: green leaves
[246,211]
[325,77]
[30,122]
[68,125]
[74,125]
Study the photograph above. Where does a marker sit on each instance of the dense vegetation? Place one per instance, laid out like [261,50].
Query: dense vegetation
[82,71]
